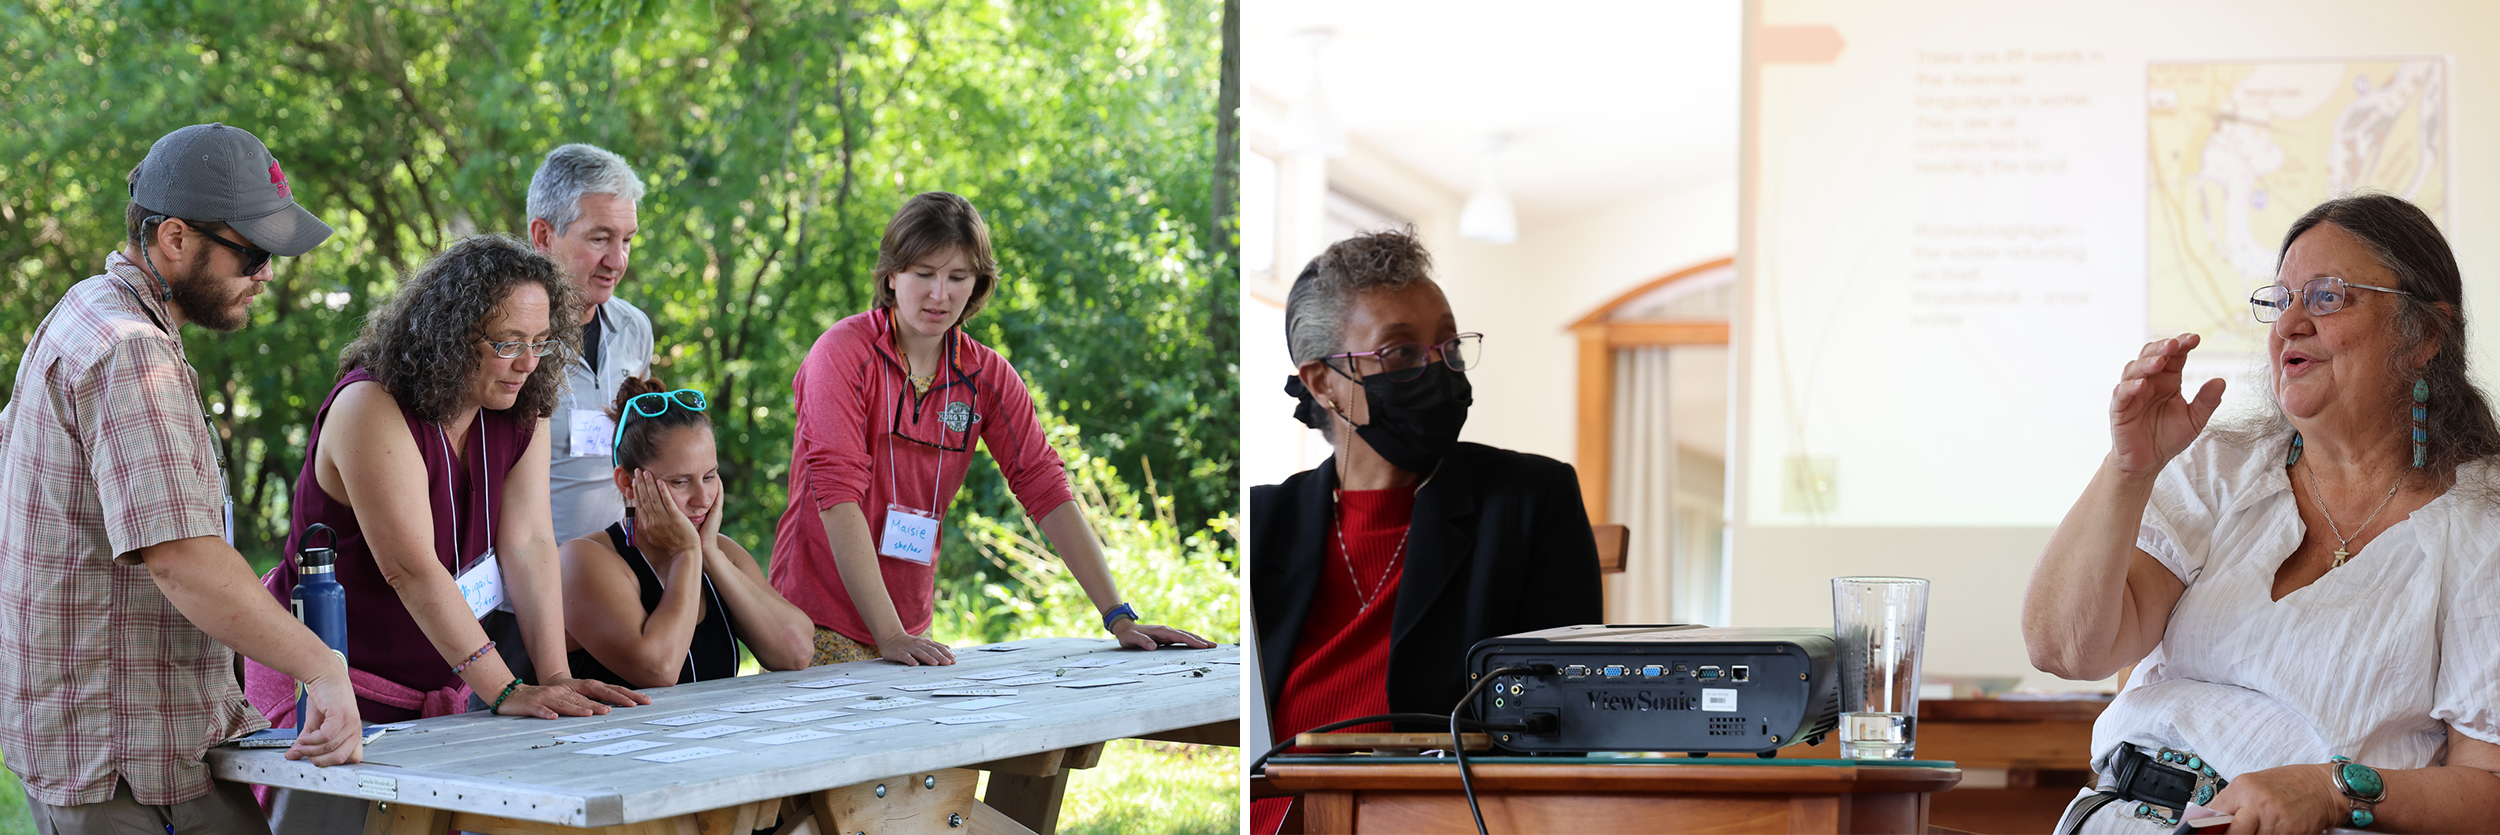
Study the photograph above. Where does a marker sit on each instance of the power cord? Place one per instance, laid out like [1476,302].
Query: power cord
[1458,745]
[1259,766]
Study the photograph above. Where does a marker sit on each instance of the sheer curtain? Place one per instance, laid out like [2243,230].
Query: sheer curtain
[1668,492]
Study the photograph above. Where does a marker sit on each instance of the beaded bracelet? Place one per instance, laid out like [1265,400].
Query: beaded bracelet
[507,693]
[473,657]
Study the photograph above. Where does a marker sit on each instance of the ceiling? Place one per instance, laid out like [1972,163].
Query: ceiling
[1603,100]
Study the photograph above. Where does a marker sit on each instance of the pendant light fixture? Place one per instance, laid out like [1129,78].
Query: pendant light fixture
[1488,216]
[1311,126]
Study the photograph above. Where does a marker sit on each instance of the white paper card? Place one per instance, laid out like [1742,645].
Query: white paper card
[827,695]
[887,703]
[871,724]
[998,648]
[602,736]
[593,433]
[759,707]
[978,691]
[709,731]
[1021,681]
[977,718]
[626,747]
[1167,668]
[800,735]
[809,716]
[1089,663]
[909,535]
[980,704]
[1097,682]
[836,681]
[683,754]
[482,585]
[933,685]
[688,719]
[994,675]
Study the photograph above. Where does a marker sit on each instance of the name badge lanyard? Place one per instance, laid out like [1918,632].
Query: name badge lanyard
[457,542]
[893,486]
[225,487]
[695,673]
[924,535]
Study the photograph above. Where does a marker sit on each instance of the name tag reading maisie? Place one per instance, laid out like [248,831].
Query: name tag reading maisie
[909,535]
[593,433]
[482,585]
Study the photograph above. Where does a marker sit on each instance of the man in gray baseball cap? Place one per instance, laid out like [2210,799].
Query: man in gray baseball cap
[122,598]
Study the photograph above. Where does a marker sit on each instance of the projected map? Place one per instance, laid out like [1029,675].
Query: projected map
[2240,150]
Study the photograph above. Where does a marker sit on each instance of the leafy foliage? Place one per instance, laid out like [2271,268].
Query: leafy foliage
[776,136]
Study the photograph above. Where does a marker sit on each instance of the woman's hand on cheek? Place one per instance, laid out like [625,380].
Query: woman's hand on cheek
[659,525]
[2292,798]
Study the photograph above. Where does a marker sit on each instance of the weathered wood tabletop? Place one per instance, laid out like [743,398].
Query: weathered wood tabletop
[781,734]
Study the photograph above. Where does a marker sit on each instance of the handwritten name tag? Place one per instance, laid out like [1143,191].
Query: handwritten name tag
[482,586]
[909,535]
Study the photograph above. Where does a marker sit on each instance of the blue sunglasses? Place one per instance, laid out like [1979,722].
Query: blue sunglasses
[688,399]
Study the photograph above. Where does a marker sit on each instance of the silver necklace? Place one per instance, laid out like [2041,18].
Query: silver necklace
[2343,544]
[1385,573]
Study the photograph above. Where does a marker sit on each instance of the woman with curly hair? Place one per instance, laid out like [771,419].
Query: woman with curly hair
[429,460]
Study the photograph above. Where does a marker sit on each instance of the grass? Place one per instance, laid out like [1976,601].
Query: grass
[1143,786]
[13,817]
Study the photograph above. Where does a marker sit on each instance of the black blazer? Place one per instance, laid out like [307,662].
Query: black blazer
[1500,545]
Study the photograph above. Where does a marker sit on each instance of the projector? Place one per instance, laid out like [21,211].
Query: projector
[1659,687]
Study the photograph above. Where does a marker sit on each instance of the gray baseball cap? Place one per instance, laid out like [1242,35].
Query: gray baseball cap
[216,173]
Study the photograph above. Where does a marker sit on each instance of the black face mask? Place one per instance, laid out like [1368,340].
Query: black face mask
[1414,423]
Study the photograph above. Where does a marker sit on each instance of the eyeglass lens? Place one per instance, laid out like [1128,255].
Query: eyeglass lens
[2322,296]
[1407,361]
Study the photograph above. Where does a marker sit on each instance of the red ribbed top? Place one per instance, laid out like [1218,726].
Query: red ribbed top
[1341,663]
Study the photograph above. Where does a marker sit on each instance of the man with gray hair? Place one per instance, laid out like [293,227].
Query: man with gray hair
[581,213]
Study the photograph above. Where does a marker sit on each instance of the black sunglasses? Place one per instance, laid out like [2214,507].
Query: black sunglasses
[253,259]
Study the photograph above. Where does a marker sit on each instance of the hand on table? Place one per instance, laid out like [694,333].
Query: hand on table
[333,733]
[1140,636]
[600,691]
[914,651]
[552,700]
[2149,421]
[2292,798]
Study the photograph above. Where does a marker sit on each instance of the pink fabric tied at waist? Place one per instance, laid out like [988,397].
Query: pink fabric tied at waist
[273,694]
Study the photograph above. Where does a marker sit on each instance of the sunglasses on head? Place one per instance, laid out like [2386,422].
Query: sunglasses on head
[652,404]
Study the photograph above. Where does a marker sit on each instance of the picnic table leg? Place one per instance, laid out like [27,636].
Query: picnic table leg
[403,819]
[930,801]
[1032,796]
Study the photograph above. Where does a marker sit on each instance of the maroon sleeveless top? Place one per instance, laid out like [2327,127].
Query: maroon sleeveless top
[461,491]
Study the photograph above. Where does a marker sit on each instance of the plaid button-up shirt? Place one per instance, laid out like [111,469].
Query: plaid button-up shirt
[104,451]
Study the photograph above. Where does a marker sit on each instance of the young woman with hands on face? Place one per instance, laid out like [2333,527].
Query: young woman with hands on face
[661,597]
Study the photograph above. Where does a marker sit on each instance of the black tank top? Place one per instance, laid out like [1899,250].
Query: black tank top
[712,655]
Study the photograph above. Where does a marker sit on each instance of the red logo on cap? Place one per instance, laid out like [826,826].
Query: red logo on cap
[278,178]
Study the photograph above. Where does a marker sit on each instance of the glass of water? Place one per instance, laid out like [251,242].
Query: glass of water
[1881,626]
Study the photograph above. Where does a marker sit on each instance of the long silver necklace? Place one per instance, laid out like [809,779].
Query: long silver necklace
[2343,544]
[1385,573]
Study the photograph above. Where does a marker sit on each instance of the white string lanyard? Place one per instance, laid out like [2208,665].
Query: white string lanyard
[457,543]
[695,672]
[893,485]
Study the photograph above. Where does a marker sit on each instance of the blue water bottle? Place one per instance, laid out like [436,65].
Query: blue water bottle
[319,601]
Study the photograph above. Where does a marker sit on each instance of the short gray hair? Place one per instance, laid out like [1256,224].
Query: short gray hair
[1315,309]
[572,171]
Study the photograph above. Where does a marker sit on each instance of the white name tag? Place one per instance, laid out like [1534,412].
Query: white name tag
[482,586]
[909,535]
[593,433]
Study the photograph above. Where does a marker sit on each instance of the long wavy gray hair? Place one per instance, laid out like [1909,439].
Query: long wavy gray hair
[422,345]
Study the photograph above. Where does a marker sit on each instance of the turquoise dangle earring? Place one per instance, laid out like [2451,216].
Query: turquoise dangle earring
[2293,457]
[2421,436]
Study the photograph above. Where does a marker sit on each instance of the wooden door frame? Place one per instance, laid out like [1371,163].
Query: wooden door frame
[1599,338]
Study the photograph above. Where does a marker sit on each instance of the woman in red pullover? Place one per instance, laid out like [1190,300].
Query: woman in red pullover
[890,402]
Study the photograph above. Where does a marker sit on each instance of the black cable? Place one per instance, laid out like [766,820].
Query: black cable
[1258,766]
[1458,744]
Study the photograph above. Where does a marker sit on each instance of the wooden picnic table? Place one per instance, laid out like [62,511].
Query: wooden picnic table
[506,775]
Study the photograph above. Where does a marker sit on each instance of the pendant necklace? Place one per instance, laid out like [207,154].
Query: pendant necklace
[2343,544]
[1385,573]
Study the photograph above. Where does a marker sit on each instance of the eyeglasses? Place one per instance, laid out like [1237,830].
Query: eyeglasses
[1407,360]
[651,404]
[508,350]
[253,259]
[2323,296]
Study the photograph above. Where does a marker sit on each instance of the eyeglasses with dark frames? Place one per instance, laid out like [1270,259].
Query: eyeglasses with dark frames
[1407,360]
[2321,296]
[253,259]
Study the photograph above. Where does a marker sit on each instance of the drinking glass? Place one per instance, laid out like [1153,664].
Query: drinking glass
[1881,625]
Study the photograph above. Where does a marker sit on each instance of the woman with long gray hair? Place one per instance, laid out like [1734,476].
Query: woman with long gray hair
[2307,598]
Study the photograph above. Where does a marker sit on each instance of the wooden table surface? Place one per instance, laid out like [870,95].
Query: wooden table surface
[513,767]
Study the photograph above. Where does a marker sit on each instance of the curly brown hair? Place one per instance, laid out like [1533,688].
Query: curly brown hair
[422,344]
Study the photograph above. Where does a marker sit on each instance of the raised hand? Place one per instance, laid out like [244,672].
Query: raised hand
[2150,421]
[659,527]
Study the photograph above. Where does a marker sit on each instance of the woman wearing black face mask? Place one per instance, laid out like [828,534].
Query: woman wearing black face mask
[1372,574]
